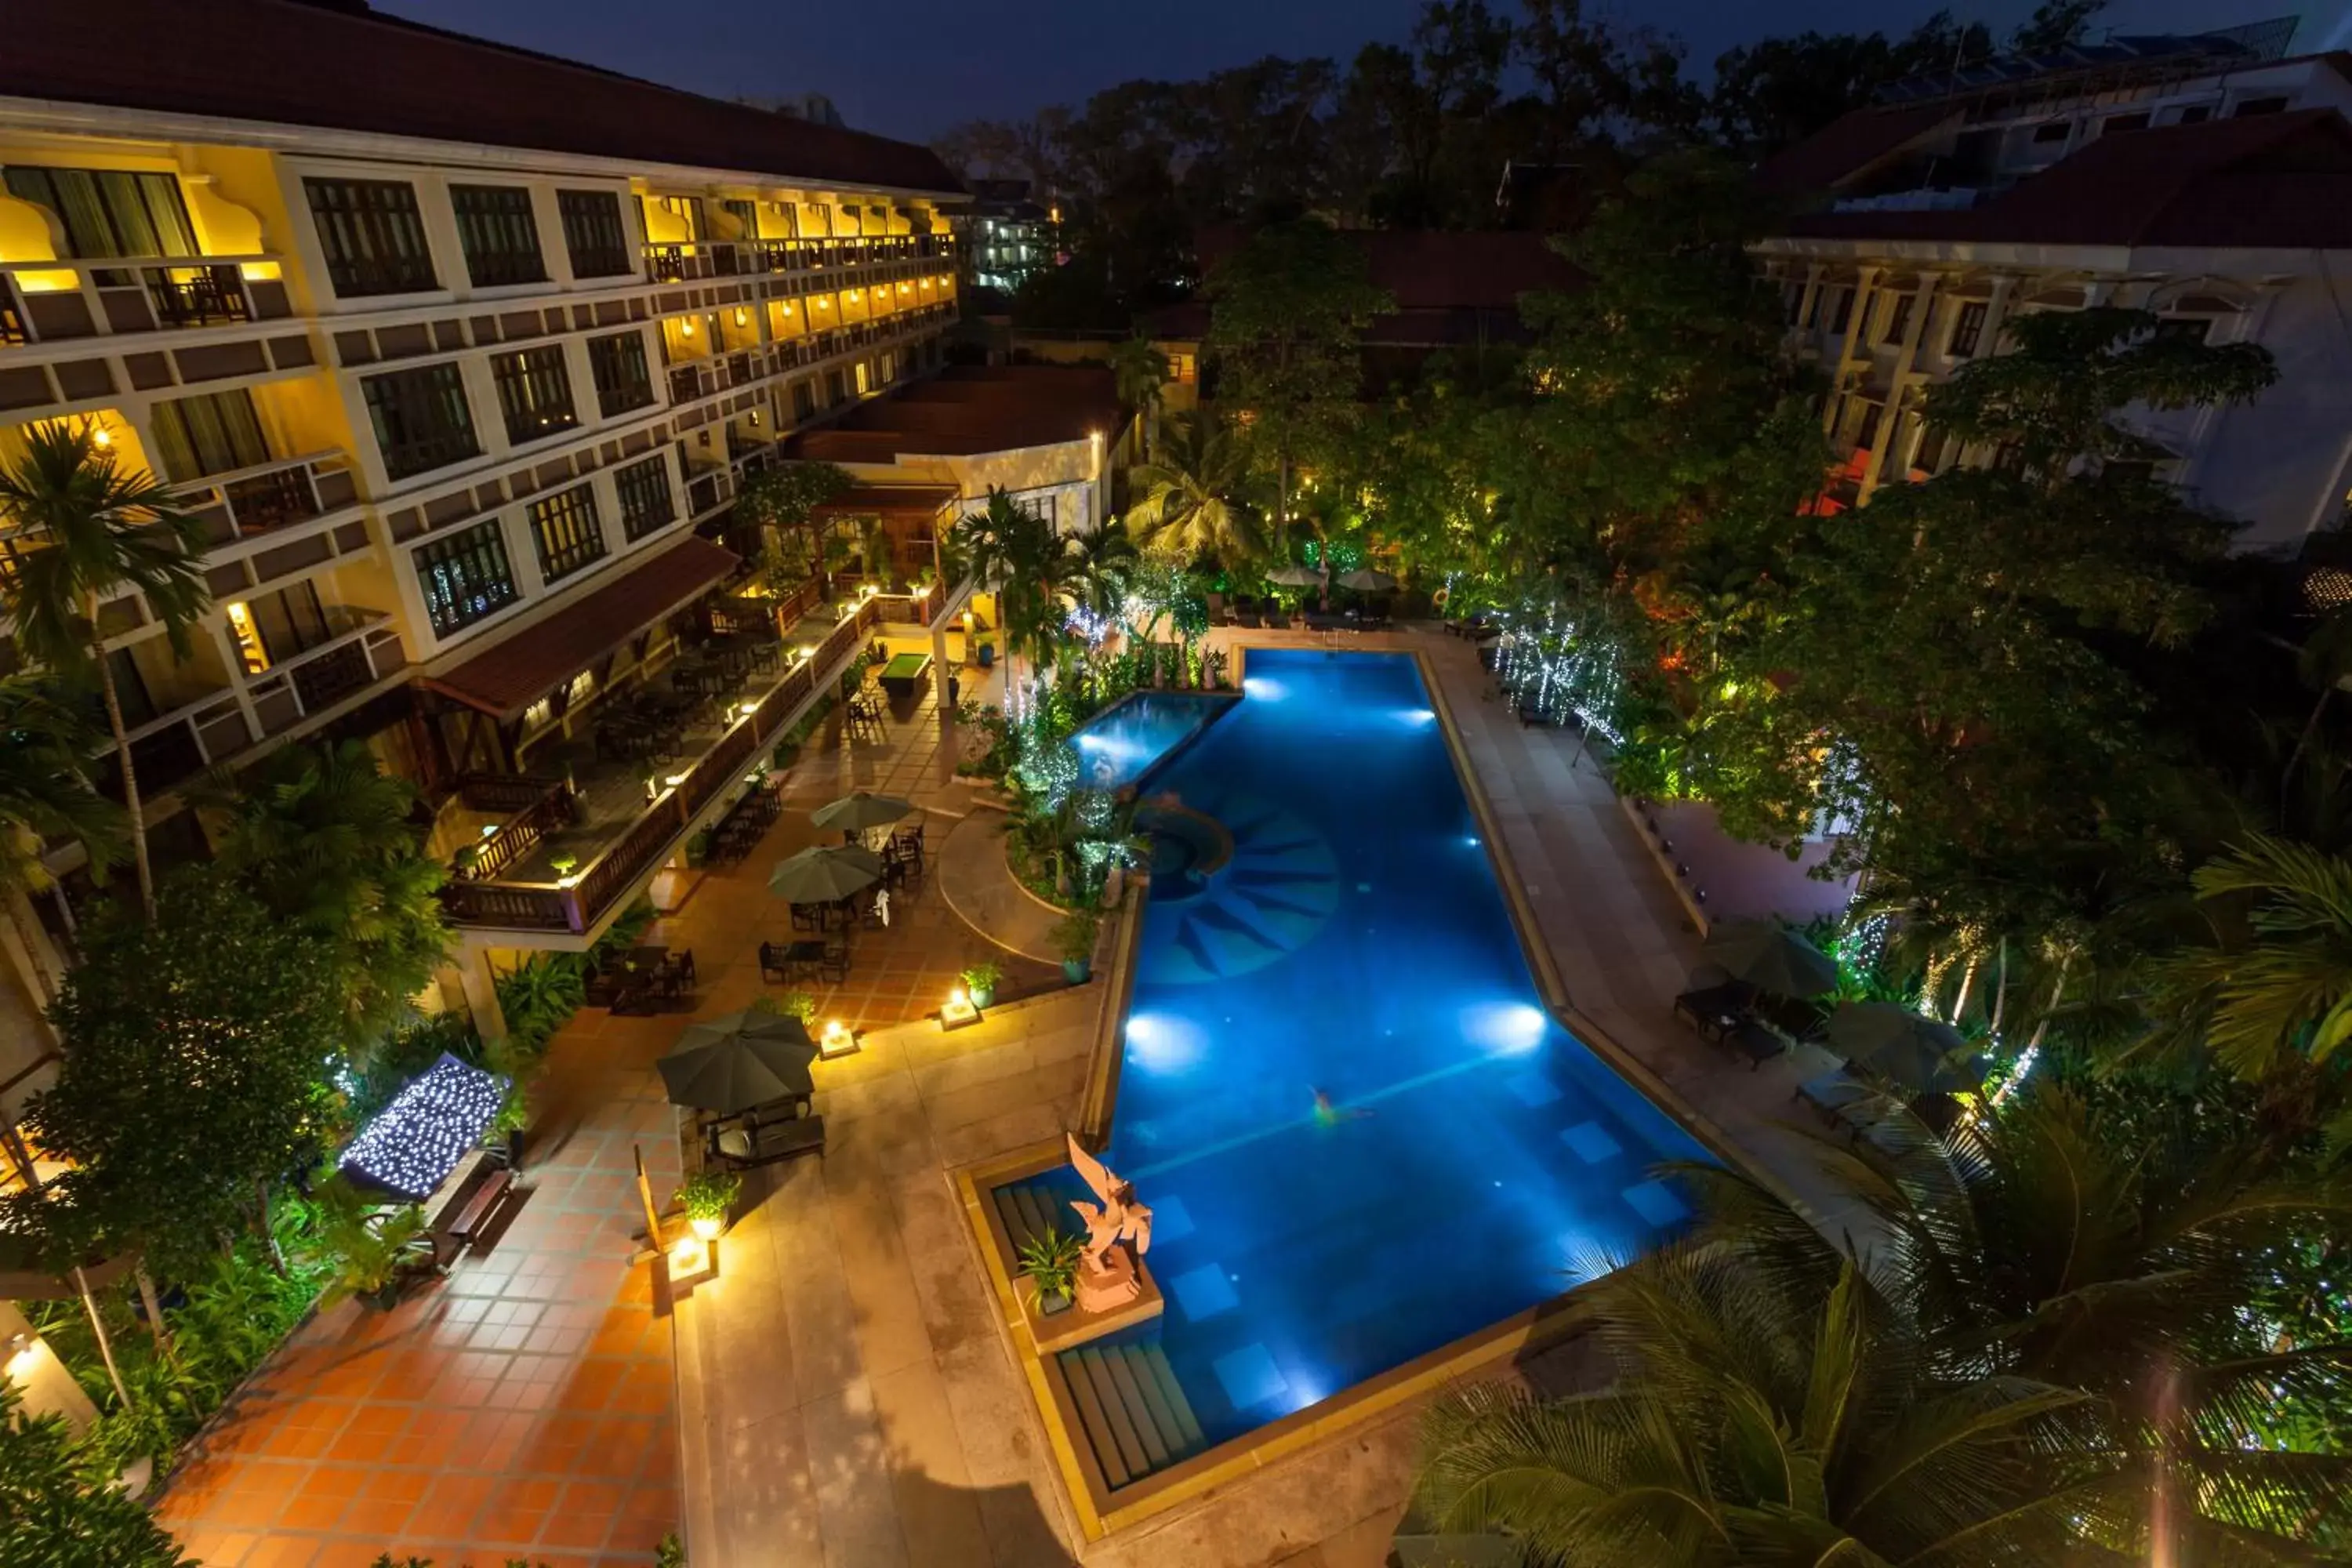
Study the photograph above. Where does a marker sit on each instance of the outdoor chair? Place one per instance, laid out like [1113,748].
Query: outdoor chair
[1277,619]
[1247,619]
[1844,1101]
[764,1143]
[808,917]
[1712,1009]
[834,964]
[1753,1040]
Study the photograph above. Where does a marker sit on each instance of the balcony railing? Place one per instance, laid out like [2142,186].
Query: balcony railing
[538,807]
[577,903]
[680,262]
[363,649]
[11,320]
[66,299]
[247,503]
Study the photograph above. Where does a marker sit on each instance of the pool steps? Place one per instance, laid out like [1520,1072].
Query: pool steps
[1137,1419]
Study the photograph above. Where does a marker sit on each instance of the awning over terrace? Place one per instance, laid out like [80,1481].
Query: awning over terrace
[526,666]
[410,1146]
[887,501]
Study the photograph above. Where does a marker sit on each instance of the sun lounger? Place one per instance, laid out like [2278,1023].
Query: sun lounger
[1754,1041]
[1843,1100]
[1247,618]
[1277,619]
[741,1147]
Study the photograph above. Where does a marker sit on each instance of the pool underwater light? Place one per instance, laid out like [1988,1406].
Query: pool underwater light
[1506,1028]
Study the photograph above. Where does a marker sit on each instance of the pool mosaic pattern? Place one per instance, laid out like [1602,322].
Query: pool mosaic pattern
[1468,1159]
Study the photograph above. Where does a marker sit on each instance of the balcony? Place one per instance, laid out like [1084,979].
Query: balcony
[361,649]
[250,502]
[682,263]
[64,300]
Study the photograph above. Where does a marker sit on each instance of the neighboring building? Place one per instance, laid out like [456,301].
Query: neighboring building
[1051,436]
[1457,290]
[451,346]
[1010,235]
[2191,177]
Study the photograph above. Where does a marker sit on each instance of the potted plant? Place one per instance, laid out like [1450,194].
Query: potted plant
[706,1196]
[1074,937]
[564,864]
[1051,1260]
[980,982]
[697,847]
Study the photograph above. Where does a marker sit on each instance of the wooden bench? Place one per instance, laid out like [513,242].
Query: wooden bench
[475,1218]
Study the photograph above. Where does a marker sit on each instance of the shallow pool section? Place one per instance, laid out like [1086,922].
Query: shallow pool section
[1136,734]
[1362,1135]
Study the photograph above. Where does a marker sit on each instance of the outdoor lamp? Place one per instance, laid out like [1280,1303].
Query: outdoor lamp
[706,1227]
[689,1256]
[958,1010]
[837,1040]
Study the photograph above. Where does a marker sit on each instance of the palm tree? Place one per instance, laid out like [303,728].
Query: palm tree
[45,788]
[2047,1354]
[1754,1419]
[1194,495]
[1101,565]
[1140,374]
[325,837]
[91,529]
[2272,985]
[1015,555]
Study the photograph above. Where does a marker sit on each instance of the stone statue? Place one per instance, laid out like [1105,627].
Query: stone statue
[1118,1231]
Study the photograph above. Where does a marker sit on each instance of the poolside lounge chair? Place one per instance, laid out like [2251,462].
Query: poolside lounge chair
[1318,621]
[1757,1043]
[1246,616]
[1844,1101]
[1716,1010]
[1278,618]
[764,1143]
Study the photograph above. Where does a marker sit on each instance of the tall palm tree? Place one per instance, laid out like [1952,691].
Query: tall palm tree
[1140,374]
[91,529]
[1102,562]
[325,837]
[1015,554]
[1195,495]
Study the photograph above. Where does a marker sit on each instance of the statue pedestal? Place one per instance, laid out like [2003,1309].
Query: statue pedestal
[1081,1323]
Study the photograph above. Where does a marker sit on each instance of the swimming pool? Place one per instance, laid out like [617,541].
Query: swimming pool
[1135,734]
[1474,1156]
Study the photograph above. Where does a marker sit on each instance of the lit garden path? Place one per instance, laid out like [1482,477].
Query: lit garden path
[522,1406]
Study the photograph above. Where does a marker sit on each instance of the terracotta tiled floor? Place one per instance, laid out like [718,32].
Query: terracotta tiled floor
[524,1406]
[521,1407]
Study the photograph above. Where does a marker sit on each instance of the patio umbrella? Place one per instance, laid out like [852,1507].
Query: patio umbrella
[1772,958]
[861,811]
[733,1063]
[826,872]
[1365,580]
[1295,576]
[1912,1052]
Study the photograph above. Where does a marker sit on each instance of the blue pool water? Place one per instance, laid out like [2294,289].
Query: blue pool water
[1357,943]
[1129,739]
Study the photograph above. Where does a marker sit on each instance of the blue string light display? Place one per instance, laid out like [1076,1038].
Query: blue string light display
[412,1145]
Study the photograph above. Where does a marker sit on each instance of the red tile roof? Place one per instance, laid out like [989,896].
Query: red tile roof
[972,408]
[2266,182]
[289,63]
[529,665]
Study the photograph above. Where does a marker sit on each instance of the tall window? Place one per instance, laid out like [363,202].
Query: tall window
[1967,330]
[534,393]
[373,235]
[465,577]
[215,433]
[1898,318]
[2183,329]
[1841,313]
[593,235]
[567,529]
[498,235]
[111,211]
[646,503]
[746,215]
[618,364]
[421,418]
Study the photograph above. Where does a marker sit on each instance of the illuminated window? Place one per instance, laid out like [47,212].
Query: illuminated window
[1182,370]
[646,503]
[465,577]
[534,393]
[568,532]
[111,211]
[212,433]
[618,364]
[1967,330]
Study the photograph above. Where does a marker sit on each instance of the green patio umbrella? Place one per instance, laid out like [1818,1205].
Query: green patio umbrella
[733,1063]
[1295,576]
[861,811]
[1913,1053]
[824,873]
[1771,957]
[1365,580]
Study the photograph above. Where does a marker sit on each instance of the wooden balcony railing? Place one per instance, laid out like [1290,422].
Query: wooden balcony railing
[577,903]
[80,298]
[250,502]
[540,806]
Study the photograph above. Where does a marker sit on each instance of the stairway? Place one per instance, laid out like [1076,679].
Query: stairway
[1030,1209]
[1137,1419]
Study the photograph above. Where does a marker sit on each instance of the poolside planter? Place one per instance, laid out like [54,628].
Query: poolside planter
[1077,971]
[1052,1303]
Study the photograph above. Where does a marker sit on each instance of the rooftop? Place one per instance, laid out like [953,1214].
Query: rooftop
[968,409]
[342,67]
[2270,182]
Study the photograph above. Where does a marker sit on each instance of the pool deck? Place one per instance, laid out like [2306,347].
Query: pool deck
[846,1394]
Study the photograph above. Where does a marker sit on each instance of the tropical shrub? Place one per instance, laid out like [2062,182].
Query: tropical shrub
[53,1514]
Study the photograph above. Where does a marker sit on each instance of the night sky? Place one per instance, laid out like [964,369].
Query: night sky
[913,67]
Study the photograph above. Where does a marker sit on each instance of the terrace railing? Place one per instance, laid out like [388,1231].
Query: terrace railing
[578,902]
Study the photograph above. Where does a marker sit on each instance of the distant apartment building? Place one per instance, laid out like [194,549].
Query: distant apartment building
[2193,178]
[1011,233]
[451,347]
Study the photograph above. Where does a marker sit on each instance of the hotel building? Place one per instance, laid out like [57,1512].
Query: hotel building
[457,350]
[2199,178]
